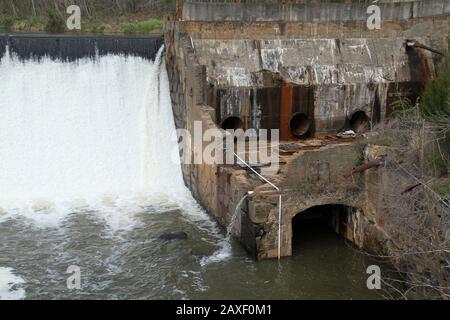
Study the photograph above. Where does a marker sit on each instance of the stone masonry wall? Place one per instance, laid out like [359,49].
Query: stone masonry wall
[322,177]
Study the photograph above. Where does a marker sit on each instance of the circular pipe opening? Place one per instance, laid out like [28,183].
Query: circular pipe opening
[232,123]
[359,122]
[299,124]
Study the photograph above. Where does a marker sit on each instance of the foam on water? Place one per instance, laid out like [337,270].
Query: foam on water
[94,136]
[9,285]
[223,253]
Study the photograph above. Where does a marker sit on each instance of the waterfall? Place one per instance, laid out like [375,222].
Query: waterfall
[85,129]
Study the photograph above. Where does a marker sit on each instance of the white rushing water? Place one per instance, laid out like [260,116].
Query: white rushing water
[8,283]
[88,134]
[91,127]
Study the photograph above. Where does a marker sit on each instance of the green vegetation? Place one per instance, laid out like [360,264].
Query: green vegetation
[97,28]
[143,27]
[421,130]
[150,25]
[97,16]
[90,9]
[435,105]
[32,24]
[359,160]
[55,23]
[435,99]
[441,188]
[129,27]
[7,22]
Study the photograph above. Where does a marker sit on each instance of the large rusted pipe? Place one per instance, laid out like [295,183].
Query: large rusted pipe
[232,123]
[299,124]
[359,121]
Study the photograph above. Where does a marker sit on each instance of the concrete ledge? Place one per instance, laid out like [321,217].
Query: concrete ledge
[227,30]
[213,11]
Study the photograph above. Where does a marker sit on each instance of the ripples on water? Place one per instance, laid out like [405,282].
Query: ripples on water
[117,250]
[126,260]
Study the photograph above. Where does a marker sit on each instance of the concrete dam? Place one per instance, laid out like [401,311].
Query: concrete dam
[310,71]
[181,166]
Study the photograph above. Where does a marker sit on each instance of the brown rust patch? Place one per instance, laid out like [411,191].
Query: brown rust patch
[418,65]
[286,110]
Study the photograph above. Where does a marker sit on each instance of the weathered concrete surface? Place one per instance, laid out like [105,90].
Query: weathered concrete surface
[241,63]
[316,178]
[263,73]
[195,10]
[344,75]
[419,27]
[310,178]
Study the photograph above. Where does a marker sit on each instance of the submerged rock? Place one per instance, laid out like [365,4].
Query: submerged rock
[180,235]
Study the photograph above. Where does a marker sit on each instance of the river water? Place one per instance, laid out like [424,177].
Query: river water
[90,177]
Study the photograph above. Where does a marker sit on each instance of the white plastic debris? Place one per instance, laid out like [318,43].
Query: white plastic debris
[346,134]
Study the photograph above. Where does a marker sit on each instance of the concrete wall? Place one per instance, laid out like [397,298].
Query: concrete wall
[322,61]
[264,71]
[214,11]
[258,80]
[321,177]
[431,28]
[310,178]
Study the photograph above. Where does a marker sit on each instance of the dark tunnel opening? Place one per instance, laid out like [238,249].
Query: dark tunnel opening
[319,226]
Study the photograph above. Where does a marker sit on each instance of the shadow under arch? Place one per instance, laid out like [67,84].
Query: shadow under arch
[326,220]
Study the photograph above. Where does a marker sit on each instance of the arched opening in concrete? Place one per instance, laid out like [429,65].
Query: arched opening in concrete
[359,121]
[299,124]
[232,123]
[322,227]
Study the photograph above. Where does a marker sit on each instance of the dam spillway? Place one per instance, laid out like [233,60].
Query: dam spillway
[67,132]
[71,48]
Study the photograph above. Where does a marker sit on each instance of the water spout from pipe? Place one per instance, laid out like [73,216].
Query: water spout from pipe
[234,217]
